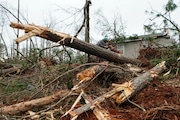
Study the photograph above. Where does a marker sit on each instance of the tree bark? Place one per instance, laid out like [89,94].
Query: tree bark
[67,40]
[94,50]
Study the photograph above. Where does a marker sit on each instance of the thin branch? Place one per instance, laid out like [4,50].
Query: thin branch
[67,54]
[163,15]
[69,71]
[10,13]
[170,22]
[83,24]
[23,56]
[84,20]
[143,109]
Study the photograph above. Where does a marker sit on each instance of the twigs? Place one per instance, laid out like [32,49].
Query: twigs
[152,113]
[50,107]
[135,104]
[10,13]
[24,56]
[67,72]
[71,92]
[75,103]
[120,92]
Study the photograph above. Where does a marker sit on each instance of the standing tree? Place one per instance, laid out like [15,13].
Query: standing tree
[18,30]
[86,17]
[87,22]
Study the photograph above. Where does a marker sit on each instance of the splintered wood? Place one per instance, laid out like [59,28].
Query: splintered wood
[34,30]
[122,92]
[87,74]
[127,90]
[132,87]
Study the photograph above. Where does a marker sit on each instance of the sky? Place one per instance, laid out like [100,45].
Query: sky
[132,12]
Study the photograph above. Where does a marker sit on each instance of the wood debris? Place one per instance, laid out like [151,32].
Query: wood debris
[123,91]
[119,92]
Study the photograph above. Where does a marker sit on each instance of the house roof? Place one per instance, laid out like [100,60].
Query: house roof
[154,36]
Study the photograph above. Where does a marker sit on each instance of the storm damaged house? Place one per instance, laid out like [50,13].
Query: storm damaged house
[130,47]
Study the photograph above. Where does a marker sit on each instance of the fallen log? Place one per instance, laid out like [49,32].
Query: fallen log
[122,92]
[7,65]
[10,70]
[24,106]
[73,42]
[6,68]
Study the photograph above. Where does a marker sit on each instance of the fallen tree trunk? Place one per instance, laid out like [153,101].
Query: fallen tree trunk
[70,41]
[24,106]
[124,91]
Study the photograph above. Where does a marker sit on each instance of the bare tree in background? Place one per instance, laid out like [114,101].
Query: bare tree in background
[81,21]
[87,22]
[17,44]
[114,27]
[87,18]
[3,46]
[7,16]
[2,41]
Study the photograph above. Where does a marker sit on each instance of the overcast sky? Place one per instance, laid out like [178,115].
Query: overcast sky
[131,11]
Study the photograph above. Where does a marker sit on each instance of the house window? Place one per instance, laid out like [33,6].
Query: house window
[144,44]
[121,48]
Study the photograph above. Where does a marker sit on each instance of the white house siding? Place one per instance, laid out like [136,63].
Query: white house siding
[131,49]
[164,42]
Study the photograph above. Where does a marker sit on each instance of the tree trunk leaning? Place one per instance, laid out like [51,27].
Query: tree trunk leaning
[73,42]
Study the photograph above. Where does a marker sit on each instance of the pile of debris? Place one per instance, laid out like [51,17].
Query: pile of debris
[103,91]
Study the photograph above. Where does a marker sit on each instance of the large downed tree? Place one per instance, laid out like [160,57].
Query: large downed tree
[73,42]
